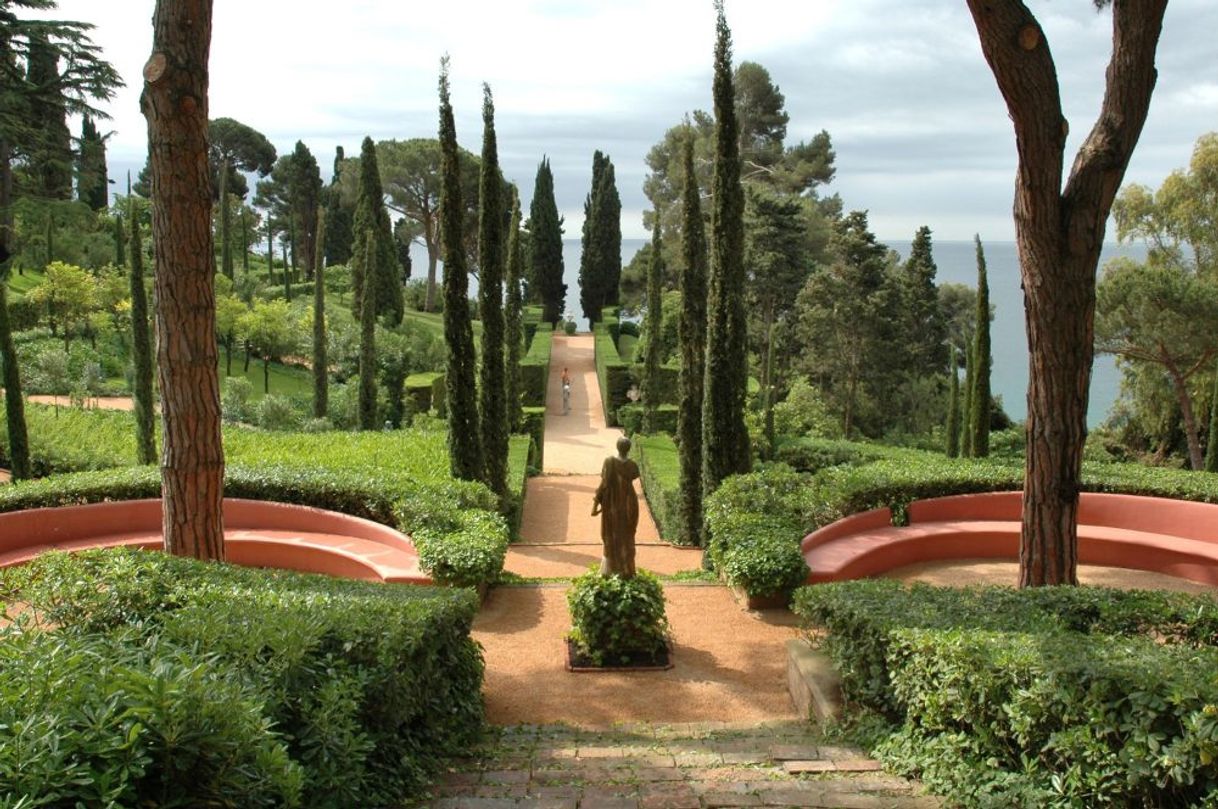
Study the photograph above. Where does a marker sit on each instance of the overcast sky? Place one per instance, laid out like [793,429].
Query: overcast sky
[921,132]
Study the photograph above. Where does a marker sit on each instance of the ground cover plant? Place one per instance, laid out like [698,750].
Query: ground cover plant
[124,683]
[1061,696]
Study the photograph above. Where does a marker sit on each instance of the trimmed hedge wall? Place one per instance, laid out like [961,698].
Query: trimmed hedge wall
[533,424]
[140,679]
[426,391]
[659,468]
[631,418]
[612,374]
[535,367]
[1064,696]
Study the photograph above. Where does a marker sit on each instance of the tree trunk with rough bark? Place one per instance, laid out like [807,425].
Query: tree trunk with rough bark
[174,102]
[1179,385]
[1059,234]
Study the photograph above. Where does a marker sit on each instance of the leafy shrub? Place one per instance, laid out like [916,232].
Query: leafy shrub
[627,328]
[615,620]
[765,564]
[368,684]
[461,548]
[426,391]
[235,397]
[803,413]
[569,327]
[533,424]
[1006,719]
[274,412]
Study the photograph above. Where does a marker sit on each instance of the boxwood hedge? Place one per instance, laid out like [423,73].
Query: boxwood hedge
[131,678]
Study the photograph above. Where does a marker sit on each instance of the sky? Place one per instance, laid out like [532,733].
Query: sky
[921,133]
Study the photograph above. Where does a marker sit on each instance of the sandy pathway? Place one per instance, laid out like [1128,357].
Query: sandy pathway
[730,665]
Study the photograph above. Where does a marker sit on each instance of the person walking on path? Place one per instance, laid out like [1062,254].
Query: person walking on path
[566,392]
[615,500]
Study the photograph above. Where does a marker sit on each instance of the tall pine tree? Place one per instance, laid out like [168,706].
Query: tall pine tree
[92,184]
[545,242]
[464,437]
[923,329]
[141,351]
[589,288]
[952,447]
[513,318]
[321,364]
[51,151]
[380,265]
[691,332]
[725,444]
[367,346]
[338,233]
[492,409]
[655,317]
[980,398]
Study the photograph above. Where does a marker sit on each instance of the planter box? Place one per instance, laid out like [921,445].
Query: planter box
[778,601]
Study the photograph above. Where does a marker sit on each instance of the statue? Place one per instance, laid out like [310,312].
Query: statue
[618,506]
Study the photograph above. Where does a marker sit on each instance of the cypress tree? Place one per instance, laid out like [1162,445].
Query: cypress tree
[91,181]
[270,249]
[953,406]
[120,242]
[380,266]
[141,352]
[492,410]
[464,437]
[980,413]
[513,315]
[245,240]
[545,241]
[651,363]
[725,444]
[338,233]
[590,286]
[966,420]
[367,347]
[14,400]
[321,375]
[691,333]
[609,236]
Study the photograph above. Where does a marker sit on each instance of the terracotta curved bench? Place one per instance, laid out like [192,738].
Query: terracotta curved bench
[257,533]
[1175,537]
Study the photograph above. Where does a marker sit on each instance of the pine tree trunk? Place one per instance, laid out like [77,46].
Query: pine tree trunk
[1211,440]
[1059,234]
[953,407]
[433,254]
[245,241]
[1179,386]
[175,103]
[14,403]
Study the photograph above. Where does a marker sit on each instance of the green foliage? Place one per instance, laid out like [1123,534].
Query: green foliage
[332,692]
[545,247]
[979,410]
[691,337]
[952,450]
[465,445]
[367,340]
[600,266]
[664,420]
[615,620]
[612,374]
[533,424]
[1059,696]
[803,413]
[16,435]
[376,260]
[513,315]
[725,438]
[492,407]
[426,391]
[648,387]
[141,352]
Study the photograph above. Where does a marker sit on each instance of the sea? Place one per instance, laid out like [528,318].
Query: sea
[956,261]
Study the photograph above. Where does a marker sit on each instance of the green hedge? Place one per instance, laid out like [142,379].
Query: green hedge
[630,417]
[535,367]
[1045,696]
[659,468]
[531,318]
[612,374]
[426,391]
[140,679]
[611,320]
[533,424]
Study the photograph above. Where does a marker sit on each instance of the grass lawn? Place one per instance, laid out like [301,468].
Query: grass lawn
[286,380]
[23,283]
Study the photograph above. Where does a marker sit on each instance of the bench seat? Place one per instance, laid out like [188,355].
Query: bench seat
[871,550]
[257,534]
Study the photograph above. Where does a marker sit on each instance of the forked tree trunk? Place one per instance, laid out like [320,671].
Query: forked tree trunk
[175,103]
[1059,234]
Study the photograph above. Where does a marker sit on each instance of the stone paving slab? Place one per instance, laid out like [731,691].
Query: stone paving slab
[560,766]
